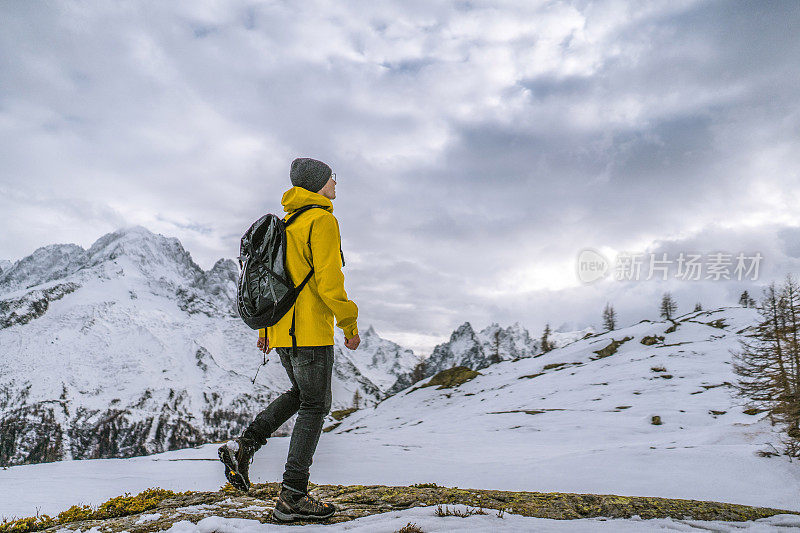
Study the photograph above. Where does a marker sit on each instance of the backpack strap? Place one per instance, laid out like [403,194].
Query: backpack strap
[294,308]
[294,214]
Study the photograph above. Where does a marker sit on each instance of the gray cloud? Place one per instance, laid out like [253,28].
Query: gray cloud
[480,145]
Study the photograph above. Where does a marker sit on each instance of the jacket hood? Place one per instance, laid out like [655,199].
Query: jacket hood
[297,197]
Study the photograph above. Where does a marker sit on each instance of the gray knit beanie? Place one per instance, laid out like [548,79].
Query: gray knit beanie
[309,173]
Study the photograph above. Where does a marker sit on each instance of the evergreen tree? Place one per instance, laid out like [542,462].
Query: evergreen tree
[768,364]
[496,351]
[546,344]
[609,317]
[745,299]
[357,400]
[698,307]
[418,372]
[668,306]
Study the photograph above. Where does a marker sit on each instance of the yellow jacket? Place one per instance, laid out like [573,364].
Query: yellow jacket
[314,239]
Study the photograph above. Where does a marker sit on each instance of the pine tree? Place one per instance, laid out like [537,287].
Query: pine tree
[745,299]
[496,351]
[418,372]
[768,364]
[698,307]
[609,317]
[546,344]
[357,400]
[668,306]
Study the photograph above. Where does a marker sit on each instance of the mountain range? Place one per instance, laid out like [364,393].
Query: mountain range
[130,348]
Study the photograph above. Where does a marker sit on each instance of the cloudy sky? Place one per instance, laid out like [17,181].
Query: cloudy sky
[480,146]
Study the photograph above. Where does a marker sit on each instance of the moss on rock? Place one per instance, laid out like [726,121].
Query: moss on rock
[115,507]
[342,413]
[452,377]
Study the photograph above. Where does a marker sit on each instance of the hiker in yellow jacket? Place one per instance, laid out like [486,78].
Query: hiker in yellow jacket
[312,240]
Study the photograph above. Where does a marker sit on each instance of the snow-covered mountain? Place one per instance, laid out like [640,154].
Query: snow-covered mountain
[5,264]
[492,344]
[379,362]
[130,348]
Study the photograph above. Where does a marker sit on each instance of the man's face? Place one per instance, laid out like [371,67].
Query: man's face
[329,190]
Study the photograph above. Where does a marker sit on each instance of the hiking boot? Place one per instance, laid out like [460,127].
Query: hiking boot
[300,506]
[237,455]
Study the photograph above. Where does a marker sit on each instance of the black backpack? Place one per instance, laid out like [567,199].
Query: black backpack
[265,291]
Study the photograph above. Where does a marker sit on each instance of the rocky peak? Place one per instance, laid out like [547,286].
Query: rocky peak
[463,331]
[132,249]
[479,350]
[45,264]
[517,328]
[226,268]
[152,253]
[221,279]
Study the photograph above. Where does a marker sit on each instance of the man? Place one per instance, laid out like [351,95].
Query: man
[312,240]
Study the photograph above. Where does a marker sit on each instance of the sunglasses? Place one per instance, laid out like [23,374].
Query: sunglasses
[333,177]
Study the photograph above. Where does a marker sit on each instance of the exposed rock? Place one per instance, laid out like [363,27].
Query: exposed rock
[652,339]
[32,305]
[164,508]
[452,377]
[611,349]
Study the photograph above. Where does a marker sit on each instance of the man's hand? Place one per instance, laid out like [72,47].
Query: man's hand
[263,344]
[353,342]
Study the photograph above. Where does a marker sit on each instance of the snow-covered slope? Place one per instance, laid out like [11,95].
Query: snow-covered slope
[5,264]
[583,412]
[693,355]
[130,348]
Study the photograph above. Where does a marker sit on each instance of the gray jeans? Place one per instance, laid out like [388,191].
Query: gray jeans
[310,397]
